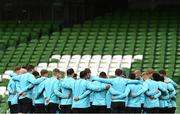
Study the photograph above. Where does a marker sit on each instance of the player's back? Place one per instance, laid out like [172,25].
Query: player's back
[99,98]
[69,81]
[25,80]
[80,86]
[163,102]
[119,84]
[49,90]
[152,87]
[134,101]
[40,99]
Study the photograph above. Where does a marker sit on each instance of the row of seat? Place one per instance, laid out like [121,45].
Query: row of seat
[13,33]
[155,40]
[96,63]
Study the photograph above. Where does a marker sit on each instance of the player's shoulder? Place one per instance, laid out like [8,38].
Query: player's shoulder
[122,78]
[28,74]
[70,79]
[67,80]
[154,82]
[97,82]
[131,85]
[50,79]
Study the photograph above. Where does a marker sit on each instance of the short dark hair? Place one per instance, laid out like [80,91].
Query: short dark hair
[161,78]
[75,75]
[156,76]
[35,73]
[132,76]
[43,72]
[70,71]
[17,68]
[87,70]
[118,72]
[102,75]
[24,66]
[55,71]
[82,74]
[124,73]
[162,72]
[30,68]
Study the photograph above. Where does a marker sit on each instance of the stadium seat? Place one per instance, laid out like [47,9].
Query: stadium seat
[131,41]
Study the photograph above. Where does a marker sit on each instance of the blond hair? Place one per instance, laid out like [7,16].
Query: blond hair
[145,73]
[137,71]
[150,71]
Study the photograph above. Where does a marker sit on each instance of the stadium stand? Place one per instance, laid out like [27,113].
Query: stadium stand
[137,39]
[128,39]
[13,33]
